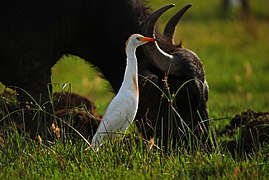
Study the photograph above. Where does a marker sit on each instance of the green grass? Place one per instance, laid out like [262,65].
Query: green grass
[21,158]
[234,51]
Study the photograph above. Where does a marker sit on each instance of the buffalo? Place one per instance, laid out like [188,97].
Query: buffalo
[35,34]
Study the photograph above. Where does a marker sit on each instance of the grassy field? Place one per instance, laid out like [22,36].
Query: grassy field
[234,50]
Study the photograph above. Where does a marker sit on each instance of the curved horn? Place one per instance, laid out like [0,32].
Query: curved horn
[149,24]
[158,57]
[171,25]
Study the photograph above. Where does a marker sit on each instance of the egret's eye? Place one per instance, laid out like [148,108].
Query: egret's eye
[138,38]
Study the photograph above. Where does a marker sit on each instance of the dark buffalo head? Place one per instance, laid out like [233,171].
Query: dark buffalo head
[173,88]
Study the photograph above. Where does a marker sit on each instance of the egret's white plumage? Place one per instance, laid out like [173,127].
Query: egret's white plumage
[122,109]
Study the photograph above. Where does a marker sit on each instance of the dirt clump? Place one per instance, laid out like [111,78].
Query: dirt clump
[78,112]
[71,111]
[251,129]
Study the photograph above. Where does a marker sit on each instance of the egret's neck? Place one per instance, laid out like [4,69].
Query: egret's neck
[130,77]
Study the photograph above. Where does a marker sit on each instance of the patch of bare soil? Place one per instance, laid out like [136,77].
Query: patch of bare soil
[79,112]
[71,111]
[251,129]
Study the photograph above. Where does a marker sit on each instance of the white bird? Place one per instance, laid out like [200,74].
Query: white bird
[122,109]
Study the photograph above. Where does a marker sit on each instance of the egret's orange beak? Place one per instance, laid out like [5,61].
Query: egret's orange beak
[147,39]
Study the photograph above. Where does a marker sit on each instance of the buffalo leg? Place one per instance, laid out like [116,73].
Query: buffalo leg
[33,94]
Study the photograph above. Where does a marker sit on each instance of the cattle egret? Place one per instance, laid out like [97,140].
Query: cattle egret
[122,109]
